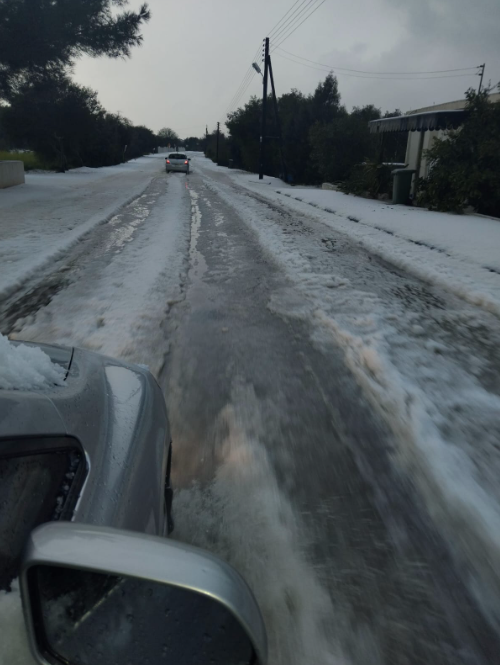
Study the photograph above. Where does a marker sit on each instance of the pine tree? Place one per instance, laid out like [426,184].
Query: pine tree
[43,37]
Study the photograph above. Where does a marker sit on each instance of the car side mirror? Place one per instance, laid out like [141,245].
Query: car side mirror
[93,594]
[189,159]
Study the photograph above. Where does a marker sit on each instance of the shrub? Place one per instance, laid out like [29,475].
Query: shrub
[369,178]
[466,164]
[30,159]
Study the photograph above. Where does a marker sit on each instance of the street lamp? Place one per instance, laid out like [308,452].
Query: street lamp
[257,68]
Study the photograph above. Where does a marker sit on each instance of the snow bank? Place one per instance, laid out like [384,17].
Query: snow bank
[42,219]
[26,368]
[458,252]
[471,237]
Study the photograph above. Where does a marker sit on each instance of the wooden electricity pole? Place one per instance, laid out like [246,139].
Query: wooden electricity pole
[278,123]
[264,110]
[481,67]
[217,150]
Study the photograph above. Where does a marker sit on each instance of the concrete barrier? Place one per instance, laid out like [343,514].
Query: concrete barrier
[11,173]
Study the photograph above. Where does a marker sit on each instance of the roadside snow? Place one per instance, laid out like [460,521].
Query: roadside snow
[119,302]
[26,368]
[458,252]
[43,218]
[117,306]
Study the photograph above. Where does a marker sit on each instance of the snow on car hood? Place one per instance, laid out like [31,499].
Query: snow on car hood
[25,367]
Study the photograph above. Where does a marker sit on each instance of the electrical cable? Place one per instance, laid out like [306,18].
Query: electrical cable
[283,18]
[236,102]
[245,77]
[281,31]
[380,78]
[301,9]
[296,27]
[240,88]
[242,93]
[286,22]
[360,71]
[243,83]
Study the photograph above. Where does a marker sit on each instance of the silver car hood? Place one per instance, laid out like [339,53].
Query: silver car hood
[116,412]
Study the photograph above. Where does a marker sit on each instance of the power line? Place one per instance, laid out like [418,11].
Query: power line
[235,94]
[237,102]
[246,87]
[245,77]
[283,18]
[187,129]
[380,78]
[243,83]
[282,30]
[241,94]
[240,88]
[301,9]
[360,71]
[298,26]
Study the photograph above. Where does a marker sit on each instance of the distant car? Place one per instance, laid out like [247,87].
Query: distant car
[177,161]
[95,449]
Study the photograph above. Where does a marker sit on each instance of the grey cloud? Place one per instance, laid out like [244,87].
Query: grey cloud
[157,88]
[456,23]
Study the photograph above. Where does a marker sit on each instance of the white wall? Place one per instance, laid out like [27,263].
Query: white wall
[11,173]
[414,137]
[412,149]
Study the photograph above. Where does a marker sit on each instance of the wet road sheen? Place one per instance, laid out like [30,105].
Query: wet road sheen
[283,468]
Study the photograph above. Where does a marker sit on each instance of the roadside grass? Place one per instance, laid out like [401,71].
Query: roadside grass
[30,159]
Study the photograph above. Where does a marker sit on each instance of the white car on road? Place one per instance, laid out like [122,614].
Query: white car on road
[177,161]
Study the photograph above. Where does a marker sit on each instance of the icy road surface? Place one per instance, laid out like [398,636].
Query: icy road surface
[335,418]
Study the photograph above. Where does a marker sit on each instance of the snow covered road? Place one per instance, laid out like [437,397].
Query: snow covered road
[335,418]
[115,291]
[42,219]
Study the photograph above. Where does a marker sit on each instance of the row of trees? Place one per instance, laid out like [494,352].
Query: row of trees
[324,142]
[65,125]
[41,108]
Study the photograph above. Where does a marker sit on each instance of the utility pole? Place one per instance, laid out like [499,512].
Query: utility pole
[264,109]
[217,153]
[278,123]
[481,67]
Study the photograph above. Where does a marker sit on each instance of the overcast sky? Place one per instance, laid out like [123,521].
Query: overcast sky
[196,53]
